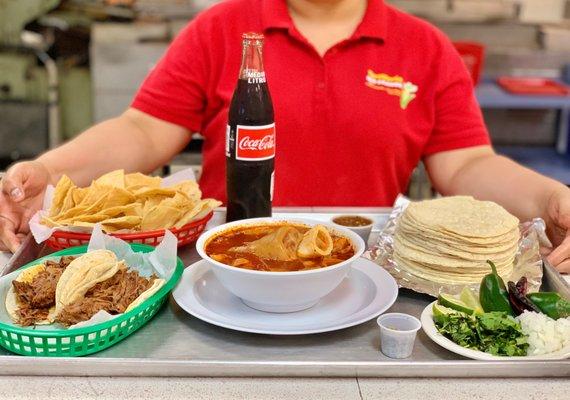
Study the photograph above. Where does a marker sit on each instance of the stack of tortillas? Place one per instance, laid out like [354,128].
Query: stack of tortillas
[449,240]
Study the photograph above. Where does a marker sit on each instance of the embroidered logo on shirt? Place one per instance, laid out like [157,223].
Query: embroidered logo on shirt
[393,85]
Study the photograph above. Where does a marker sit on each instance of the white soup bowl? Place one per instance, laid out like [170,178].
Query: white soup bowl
[280,291]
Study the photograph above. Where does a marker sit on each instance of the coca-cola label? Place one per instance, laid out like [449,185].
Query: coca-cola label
[255,143]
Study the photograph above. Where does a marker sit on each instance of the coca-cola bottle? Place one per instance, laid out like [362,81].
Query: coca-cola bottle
[250,138]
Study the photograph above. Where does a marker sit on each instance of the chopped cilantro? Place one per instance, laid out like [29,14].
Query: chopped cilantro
[495,332]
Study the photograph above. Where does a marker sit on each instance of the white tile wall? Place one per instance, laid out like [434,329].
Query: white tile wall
[121,57]
[459,10]
[543,11]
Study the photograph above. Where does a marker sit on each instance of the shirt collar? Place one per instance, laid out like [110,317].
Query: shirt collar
[275,15]
[373,25]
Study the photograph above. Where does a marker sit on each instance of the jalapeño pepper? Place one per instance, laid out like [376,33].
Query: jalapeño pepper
[493,294]
[551,304]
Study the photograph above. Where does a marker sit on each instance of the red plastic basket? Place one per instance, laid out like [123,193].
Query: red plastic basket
[60,240]
[473,54]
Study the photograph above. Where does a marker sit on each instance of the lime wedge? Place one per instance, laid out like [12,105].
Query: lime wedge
[440,311]
[447,300]
[469,297]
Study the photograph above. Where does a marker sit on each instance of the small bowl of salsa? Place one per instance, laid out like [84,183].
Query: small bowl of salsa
[360,225]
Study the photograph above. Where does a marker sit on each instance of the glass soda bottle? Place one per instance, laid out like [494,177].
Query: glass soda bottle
[250,138]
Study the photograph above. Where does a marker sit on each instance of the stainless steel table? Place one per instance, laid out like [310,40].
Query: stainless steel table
[177,344]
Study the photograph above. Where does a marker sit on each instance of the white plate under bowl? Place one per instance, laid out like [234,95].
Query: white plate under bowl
[430,329]
[365,293]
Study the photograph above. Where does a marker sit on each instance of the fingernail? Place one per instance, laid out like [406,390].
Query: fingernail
[16,193]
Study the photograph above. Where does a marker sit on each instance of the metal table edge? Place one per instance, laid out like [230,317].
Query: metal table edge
[139,367]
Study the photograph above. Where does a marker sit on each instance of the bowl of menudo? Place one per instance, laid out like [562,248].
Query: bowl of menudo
[279,265]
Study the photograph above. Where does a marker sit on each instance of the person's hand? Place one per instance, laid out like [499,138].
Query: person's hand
[21,195]
[558,228]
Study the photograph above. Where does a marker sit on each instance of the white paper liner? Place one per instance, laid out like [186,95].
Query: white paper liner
[528,261]
[42,233]
[161,261]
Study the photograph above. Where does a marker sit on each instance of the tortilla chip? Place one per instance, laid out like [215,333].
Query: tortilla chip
[118,197]
[138,181]
[136,210]
[147,193]
[96,206]
[93,194]
[77,210]
[49,222]
[179,200]
[113,178]
[129,209]
[68,202]
[79,194]
[81,224]
[85,218]
[119,223]
[160,217]
[199,211]
[122,201]
[62,188]
[189,188]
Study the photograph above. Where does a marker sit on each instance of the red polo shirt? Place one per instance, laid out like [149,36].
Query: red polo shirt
[350,126]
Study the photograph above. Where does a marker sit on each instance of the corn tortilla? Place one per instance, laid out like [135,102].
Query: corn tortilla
[449,240]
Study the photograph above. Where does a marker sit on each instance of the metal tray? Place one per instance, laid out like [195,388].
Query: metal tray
[177,344]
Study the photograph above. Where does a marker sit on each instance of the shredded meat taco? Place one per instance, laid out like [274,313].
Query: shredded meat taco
[74,289]
[113,295]
[31,298]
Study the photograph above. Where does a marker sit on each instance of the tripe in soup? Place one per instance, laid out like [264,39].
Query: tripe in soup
[279,247]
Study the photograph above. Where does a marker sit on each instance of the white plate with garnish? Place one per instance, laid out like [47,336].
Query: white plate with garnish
[428,325]
[365,293]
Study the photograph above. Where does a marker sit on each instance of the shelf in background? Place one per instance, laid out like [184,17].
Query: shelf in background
[491,95]
[544,160]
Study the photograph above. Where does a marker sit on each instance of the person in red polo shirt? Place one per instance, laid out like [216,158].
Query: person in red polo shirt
[362,92]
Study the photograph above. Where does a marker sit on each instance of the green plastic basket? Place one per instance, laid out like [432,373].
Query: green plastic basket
[87,340]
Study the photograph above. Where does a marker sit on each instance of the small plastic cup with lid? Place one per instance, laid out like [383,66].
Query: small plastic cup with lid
[398,334]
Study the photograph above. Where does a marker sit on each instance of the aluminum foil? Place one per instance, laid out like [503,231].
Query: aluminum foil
[528,261]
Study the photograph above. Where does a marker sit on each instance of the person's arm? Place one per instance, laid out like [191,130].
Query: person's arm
[134,141]
[479,172]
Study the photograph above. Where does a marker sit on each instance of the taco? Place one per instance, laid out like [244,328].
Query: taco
[120,293]
[77,289]
[98,281]
[82,274]
[31,297]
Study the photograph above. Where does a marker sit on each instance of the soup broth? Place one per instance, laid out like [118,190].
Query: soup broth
[275,248]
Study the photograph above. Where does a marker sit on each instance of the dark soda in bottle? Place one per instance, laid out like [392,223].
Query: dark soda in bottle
[250,138]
